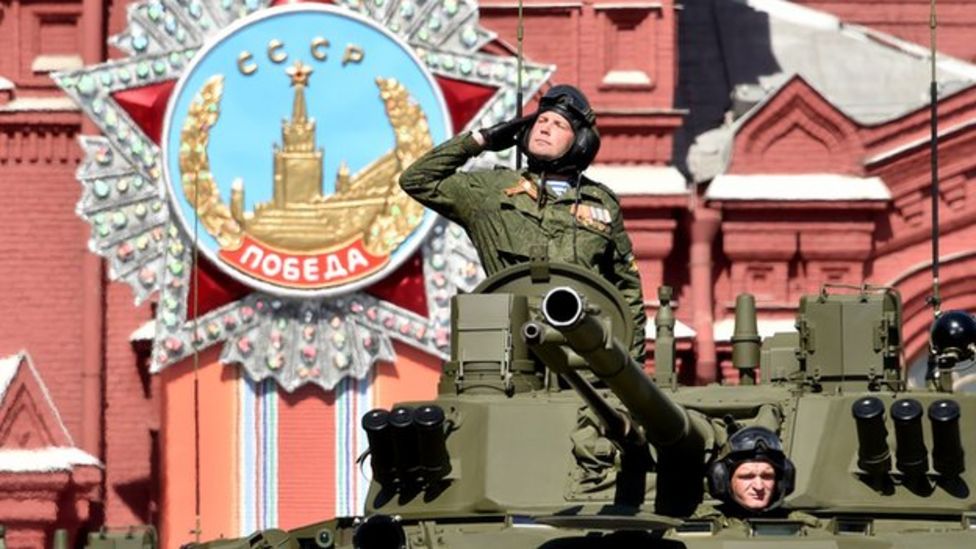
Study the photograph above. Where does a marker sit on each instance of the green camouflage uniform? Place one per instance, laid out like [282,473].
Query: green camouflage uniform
[500,212]
[732,517]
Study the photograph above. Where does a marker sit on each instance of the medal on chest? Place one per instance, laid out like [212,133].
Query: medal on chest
[594,217]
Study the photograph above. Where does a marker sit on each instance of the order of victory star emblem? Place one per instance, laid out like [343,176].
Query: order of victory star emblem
[283,146]
[246,175]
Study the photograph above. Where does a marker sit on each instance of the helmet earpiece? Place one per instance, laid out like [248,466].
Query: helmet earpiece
[789,478]
[585,147]
[719,480]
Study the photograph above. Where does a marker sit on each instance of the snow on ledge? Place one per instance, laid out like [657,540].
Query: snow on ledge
[681,330]
[8,369]
[722,330]
[626,180]
[44,460]
[40,104]
[626,78]
[146,332]
[799,15]
[797,187]
[52,63]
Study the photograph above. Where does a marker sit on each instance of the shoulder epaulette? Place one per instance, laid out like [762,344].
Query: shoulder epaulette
[603,189]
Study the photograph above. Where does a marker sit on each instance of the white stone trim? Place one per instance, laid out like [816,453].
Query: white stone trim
[40,104]
[146,332]
[797,187]
[626,78]
[681,330]
[626,180]
[45,460]
[722,330]
[51,63]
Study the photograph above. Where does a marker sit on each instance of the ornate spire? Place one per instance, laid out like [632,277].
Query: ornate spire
[299,73]
[298,133]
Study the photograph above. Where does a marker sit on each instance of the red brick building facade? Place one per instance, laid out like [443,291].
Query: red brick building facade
[737,172]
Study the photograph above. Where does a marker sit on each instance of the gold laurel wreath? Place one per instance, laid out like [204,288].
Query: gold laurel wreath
[402,213]
[391,224]
[199,186]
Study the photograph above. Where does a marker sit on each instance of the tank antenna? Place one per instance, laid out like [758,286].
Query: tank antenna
[935,299]
[518,82]
[196,366]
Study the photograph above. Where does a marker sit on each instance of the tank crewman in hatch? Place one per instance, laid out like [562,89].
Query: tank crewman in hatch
[752,475]
[509,214]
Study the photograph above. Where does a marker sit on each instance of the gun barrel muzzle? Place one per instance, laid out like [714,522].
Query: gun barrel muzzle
[563,307]
[665,423]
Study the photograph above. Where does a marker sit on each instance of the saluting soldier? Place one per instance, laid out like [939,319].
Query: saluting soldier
[507,213]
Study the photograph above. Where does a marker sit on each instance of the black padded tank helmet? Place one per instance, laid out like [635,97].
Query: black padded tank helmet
[751,444]
[954,333]
[569,102]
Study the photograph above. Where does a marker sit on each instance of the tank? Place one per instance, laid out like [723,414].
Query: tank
[547,434]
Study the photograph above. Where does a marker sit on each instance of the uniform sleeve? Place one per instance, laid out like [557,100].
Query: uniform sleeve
[433,180]
[627,279]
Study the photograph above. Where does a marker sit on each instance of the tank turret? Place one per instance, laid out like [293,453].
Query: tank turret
[546,433]
[678,437]
[665,423]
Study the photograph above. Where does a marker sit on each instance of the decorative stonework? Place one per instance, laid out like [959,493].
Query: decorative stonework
[28,418]
[797,131]
[954,190]
[627,29]
[50,143]
[44,479]
[294,340]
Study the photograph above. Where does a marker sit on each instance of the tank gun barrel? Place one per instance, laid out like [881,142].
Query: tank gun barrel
[665,423]
[617,425]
